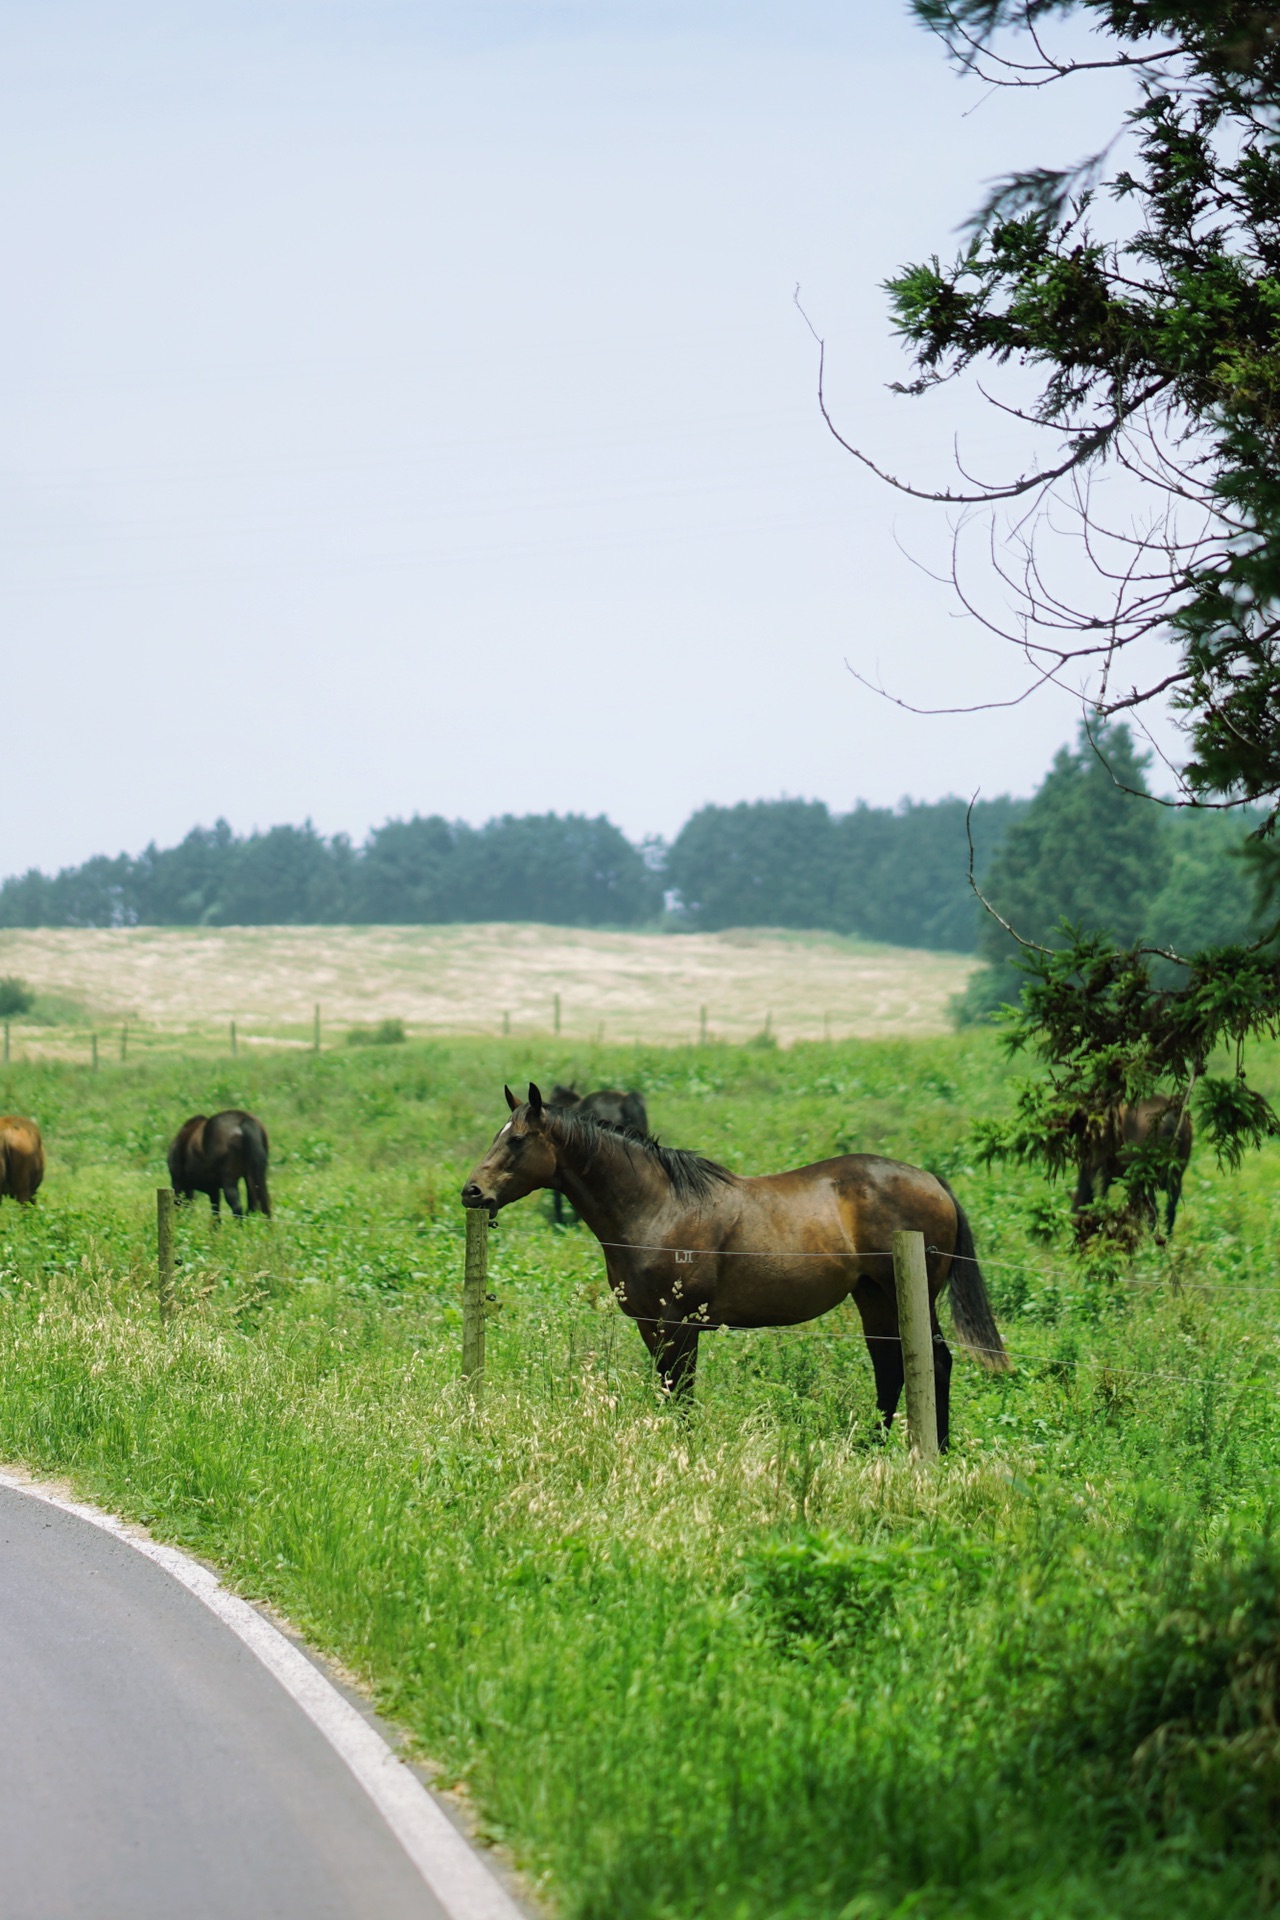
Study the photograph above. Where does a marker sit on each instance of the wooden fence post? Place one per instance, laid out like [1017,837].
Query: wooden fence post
[6,1043]
[95,1052]
[474,1287]
[164,1249]
[233,1040]
[124,1042]
[702,1027]
[911,1279]
[557,1013]
[315,1039]
[506,1023]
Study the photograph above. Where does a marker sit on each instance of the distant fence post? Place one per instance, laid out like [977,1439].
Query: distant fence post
[315,1037]
[95,1052]
[506,1023]
[474,1288]
[911,1279]
[557,1013]
[124,1042]
[6,1043]
[702,1027]
[164,1249]
[233,1039]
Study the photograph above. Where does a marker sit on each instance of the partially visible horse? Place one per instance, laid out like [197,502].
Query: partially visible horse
[214,1155]
[1131,1126]
[690,1246]
[609,1107]
[21,1158]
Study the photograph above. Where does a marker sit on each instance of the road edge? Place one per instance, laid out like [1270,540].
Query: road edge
[454,1873]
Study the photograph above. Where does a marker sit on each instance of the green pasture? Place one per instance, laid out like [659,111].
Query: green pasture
[740,1662]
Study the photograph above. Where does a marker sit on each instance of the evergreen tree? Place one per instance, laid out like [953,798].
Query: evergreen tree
[903,875]
[408,873]
[1152,335]
[570,871]
[1206,896]
[763,863]
[1086,854]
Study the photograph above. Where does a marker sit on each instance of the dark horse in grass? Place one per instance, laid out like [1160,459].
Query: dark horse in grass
[213,1156]
[689,1245]
[1157,1122]
[610,1107]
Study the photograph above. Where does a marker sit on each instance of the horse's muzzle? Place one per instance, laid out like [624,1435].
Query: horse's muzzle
[472,1196]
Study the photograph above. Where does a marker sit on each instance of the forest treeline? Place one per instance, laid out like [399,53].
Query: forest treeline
[898,875]
[1081,848]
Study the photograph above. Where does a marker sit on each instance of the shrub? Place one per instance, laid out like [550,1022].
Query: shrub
[15,996]
[387,1033]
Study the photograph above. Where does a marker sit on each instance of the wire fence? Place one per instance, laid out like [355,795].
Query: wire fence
[819,1327]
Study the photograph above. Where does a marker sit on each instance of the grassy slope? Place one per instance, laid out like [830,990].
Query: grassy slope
[745,1663]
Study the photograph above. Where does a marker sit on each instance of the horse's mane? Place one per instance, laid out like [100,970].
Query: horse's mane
[689,1175]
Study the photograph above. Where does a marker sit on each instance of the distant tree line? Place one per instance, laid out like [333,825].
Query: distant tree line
[893,875]
[568,870]
[1081,848]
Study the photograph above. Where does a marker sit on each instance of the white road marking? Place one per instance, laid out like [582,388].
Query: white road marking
[454,1872]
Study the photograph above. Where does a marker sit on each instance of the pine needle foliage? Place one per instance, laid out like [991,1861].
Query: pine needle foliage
[1140,287]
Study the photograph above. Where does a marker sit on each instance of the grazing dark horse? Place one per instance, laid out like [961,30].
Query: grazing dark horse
[609,1107]
[213,1156]
[21,1158]
[1130,1126]
[689,1245]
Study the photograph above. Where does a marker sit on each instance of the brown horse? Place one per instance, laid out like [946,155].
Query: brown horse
[21,1158]
[689,1245]
[213,1156]
[1131,1126]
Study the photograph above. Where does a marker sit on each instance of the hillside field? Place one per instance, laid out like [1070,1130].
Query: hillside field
[741,1663]
[173,984]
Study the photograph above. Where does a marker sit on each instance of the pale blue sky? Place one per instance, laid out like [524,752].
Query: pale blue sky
[402,408]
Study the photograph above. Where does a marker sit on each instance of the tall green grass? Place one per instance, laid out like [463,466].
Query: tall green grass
[746,1661]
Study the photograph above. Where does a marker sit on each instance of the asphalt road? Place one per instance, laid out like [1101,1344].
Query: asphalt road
[151,1766]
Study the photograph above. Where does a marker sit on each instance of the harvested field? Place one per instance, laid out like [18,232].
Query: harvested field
[172,982]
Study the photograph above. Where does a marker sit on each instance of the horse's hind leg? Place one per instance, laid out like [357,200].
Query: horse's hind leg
[231,1194]
[1173,1194]
[942,1385]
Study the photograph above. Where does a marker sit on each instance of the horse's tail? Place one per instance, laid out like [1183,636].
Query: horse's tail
[975,1323]
[255,1156]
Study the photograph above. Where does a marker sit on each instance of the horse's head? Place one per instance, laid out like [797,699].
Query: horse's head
[521,1159]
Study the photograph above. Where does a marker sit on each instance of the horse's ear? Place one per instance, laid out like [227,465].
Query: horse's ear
[535,1100]
[512,1102]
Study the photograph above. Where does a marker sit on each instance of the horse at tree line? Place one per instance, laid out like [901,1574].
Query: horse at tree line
[1130,1127]
[690,1247]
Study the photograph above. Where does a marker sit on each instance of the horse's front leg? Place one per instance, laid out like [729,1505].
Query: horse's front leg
[231,1193]
[674,1346]
[884,1343]
[886,1363]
